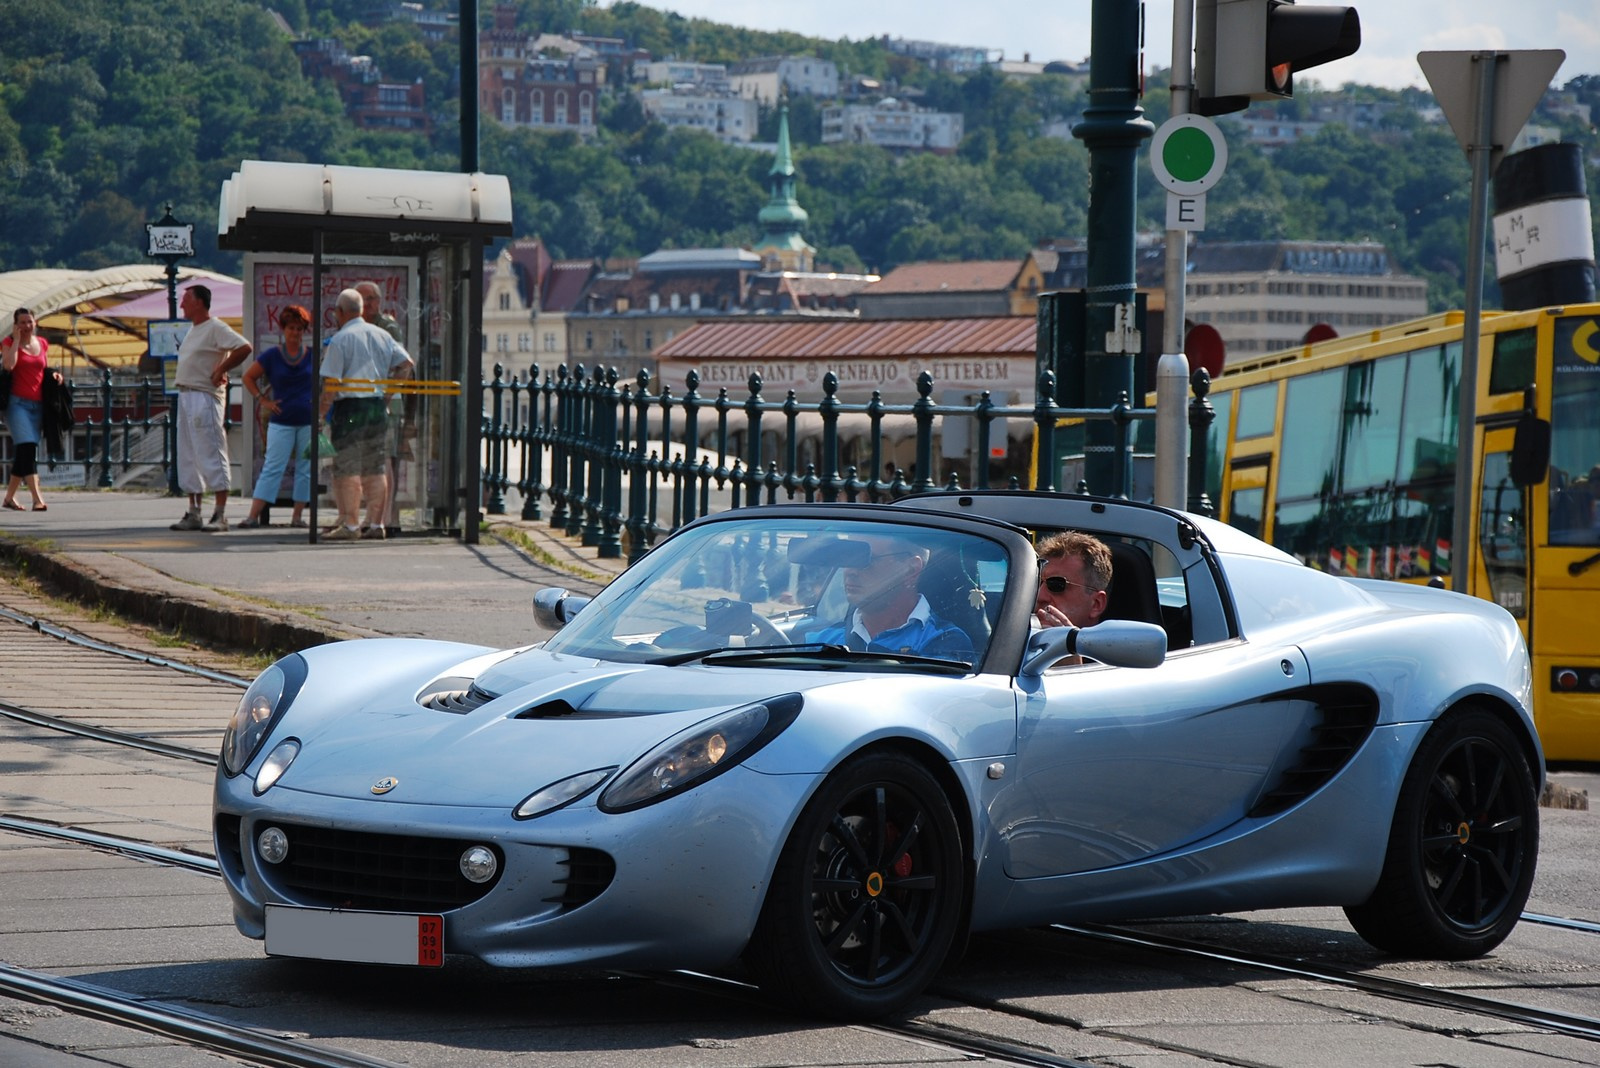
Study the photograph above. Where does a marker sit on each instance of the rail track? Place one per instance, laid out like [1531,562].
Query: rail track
[255,1046]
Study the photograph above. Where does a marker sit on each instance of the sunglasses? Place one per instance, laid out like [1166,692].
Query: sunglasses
[1057,584]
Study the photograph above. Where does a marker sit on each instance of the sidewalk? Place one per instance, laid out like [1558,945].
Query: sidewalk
[270,589]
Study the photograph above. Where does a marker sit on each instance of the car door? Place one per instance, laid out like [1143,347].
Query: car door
[1115,765]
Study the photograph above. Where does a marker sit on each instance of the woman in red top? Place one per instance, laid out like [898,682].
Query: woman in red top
[23,354]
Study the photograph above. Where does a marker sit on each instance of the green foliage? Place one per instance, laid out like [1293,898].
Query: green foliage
[111,108]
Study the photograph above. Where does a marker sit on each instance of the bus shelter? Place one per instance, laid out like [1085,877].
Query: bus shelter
[310,230]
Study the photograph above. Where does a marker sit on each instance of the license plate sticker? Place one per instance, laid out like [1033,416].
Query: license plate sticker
[362,937]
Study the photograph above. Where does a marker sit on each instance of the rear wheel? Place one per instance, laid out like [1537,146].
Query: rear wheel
[1462,848]
[867,895]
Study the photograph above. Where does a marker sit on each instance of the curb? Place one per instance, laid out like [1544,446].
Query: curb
[234,624]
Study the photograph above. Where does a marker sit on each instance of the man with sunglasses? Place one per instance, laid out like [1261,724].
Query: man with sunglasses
[887,611]
[1074,575]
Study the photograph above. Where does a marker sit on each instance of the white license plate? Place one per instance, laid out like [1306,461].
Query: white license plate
[364,937]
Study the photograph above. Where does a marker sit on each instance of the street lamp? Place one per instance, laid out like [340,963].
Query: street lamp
[170,241]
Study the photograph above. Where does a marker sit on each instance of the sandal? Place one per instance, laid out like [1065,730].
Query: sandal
[249,524]
[41,508]
[299,523]
[14,506]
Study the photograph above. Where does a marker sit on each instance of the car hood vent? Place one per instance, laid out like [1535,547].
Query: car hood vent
[548,710]
[456,699]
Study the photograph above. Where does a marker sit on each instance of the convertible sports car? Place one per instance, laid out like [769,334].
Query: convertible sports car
[702,766]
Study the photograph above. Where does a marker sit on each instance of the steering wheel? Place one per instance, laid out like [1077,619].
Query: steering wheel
[766,629]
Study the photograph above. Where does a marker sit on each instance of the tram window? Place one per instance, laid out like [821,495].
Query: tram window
[1313,409]
[1511,364]
[1371,432]
[1258,410]
[1428,423]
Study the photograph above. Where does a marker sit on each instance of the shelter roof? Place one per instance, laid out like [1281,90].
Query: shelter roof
[271,206]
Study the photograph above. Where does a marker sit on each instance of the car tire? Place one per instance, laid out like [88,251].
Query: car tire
[1462,848]
[867,896]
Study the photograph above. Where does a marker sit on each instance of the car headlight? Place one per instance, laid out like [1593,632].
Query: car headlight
[272,692]
[700,753]
[558,794]
[276,764]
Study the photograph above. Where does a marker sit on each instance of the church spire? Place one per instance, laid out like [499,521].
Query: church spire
[781,247]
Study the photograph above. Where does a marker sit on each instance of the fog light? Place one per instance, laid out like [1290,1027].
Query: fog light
[478,864]
[272,845]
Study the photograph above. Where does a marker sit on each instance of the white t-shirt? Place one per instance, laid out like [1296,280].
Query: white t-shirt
[202,349]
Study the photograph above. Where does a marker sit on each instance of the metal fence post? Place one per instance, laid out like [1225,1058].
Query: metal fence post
[1201,414]
[533,448]
[494,439]
[1044,431]
[922,411]
[752,445]
[105,430]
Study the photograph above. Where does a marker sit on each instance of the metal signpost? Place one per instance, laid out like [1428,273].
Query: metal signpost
[170,241]
[1486,96]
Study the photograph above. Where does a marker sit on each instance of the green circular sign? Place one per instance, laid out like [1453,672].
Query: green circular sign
[1188,154]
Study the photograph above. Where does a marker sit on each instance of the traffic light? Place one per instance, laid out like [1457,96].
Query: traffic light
[1248,50]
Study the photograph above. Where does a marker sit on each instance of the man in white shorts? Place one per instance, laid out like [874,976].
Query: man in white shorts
[209,351]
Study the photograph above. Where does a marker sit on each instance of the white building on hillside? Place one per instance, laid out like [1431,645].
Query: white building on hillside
[892,124]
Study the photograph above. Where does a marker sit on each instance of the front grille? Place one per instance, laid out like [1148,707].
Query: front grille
[589,872]
[386,872]
[229,857]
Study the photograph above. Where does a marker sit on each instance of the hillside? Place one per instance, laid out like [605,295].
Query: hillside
[111,108]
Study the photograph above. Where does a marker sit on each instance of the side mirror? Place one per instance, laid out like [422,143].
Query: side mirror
[1530,451]
[1118,642]
[554,607]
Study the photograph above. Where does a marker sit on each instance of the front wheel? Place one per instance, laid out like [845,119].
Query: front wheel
[1462,848]
[867,895]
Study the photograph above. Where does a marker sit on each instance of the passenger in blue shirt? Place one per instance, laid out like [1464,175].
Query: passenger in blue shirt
[887,613]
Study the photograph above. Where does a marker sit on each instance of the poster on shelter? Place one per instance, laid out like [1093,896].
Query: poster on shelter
[274,284]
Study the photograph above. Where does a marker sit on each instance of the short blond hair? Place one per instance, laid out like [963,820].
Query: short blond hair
[1091,550]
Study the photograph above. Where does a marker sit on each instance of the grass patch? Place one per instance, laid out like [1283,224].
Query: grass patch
[520,541]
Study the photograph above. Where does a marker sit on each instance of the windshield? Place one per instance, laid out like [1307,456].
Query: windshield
[894,592]
[1575,433]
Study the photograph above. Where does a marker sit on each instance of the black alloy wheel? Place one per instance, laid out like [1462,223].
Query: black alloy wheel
[868,893]
[1463,846]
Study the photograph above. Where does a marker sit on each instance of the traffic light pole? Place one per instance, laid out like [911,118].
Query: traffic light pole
[1112,129]
[1172,371]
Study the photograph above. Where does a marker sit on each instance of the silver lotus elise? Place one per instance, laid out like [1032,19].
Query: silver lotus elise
[733,753]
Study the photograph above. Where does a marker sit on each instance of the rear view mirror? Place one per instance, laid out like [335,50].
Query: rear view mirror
[829,551]
[554,607]
[1118,642]
[1530,451]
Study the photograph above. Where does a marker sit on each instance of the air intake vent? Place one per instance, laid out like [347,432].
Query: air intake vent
[548,710]
[457,699]
[1346,716]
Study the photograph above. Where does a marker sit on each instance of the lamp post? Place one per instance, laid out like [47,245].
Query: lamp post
[170,241]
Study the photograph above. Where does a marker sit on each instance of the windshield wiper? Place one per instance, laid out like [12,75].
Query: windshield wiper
[828,654]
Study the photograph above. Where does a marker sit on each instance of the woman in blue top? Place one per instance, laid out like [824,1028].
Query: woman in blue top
[280,379]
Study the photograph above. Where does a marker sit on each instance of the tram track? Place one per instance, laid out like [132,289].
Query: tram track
[72,637]
[78,997]
[1416,993]
[1586,1027]
[1568,1024]
[170,1021]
